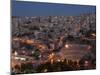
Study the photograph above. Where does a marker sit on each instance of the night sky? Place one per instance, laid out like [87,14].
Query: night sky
[22,8]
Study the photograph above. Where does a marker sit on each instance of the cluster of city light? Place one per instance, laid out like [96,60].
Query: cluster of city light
[29,41]
[51,58]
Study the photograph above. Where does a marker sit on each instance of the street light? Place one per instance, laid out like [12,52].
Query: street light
[93,34]
[67,46]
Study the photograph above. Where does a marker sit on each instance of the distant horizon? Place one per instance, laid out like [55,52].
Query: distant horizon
[54,15]
[22,9]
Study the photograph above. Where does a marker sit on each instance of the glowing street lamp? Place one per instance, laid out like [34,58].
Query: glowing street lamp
[45,70]
[89,47]
[86,63]
[58,60]
[51,57]
[67,46]
[15,53]
[93,34]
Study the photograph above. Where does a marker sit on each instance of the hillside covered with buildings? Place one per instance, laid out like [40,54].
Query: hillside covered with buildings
[50,40]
